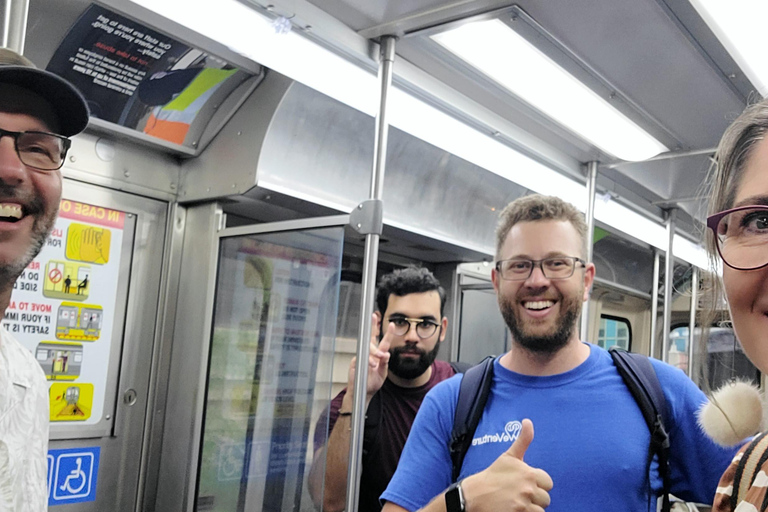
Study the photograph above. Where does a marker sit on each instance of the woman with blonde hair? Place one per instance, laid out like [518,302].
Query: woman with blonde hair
[738,235]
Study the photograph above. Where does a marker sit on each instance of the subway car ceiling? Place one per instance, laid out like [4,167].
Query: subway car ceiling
[295,138]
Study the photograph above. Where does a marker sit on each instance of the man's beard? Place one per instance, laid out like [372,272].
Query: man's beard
[410,367]
[41,228]
[570,310]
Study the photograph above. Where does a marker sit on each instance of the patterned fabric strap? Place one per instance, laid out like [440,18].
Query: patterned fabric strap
[748,468]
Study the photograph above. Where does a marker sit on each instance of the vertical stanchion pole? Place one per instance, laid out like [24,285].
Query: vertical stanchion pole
[692,321]
[590,218]
[669,276]
[13,30]
[369,277]
[655,300]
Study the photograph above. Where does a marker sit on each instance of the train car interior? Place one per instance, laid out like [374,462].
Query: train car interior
[222,217]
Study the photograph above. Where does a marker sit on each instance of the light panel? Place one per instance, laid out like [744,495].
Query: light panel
[507,58]
[248,33]
[740,25]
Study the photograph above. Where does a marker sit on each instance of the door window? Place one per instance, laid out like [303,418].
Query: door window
[614,332]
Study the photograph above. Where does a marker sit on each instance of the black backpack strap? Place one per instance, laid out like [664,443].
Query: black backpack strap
[641,379]
[473,393]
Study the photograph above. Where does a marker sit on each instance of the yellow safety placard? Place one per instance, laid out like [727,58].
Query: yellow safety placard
[77,321]
[67,280]
[88,243]
[70,401]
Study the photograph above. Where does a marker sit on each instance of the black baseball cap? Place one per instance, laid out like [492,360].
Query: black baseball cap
[68,104]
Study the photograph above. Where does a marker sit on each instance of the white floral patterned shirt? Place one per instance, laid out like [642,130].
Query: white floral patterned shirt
[23,429]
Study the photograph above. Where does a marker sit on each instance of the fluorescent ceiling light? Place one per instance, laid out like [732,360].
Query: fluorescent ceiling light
[740,25]
[507,58]
[245,31]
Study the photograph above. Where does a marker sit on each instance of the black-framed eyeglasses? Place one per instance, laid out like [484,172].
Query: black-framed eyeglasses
[40,150]
[520,269]
[741,236]
[425,328]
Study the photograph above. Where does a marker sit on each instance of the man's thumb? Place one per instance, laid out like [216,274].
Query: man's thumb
[523,441]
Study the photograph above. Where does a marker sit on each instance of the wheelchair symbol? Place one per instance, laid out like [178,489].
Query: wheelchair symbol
[76,475]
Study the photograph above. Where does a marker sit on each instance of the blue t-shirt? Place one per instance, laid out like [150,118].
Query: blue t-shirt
[589,436]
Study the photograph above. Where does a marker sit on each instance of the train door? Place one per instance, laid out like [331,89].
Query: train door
[86,307]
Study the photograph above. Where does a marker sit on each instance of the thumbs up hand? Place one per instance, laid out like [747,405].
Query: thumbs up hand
[509,483]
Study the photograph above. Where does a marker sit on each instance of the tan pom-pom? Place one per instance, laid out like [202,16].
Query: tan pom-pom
[733,413]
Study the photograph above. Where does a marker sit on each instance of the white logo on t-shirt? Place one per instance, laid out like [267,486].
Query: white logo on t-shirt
[511,431]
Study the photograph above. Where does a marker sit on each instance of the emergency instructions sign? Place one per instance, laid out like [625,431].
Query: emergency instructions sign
[63,306]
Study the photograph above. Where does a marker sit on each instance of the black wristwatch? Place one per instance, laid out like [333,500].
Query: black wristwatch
[454,498]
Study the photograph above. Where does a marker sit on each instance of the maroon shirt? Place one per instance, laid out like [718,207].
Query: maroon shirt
[398,410]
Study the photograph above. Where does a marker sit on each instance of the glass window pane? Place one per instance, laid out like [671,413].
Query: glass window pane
[614,332]
[271,353]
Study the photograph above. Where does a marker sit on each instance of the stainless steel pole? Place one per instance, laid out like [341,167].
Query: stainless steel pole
[590,218]
[669,274]
[692,321]
[14,23]
[655,301]
[369,278]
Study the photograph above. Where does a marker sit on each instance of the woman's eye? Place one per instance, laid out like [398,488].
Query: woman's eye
[756,222]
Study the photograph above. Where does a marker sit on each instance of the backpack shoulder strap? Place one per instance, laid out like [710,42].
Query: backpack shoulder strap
[747,469]
[473,393]
[641,380]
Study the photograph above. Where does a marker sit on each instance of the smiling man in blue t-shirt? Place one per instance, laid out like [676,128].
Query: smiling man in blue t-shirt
[591,446]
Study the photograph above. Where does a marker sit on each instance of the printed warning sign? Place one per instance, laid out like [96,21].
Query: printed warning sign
[63,308]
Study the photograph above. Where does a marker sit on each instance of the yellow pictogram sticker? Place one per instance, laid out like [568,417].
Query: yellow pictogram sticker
[76,321]
[70,401]
[67,280]
[88,243]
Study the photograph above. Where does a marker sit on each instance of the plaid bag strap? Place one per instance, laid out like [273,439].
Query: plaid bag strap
[748,468]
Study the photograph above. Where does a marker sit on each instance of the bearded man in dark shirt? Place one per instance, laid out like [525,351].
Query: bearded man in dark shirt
[401,369]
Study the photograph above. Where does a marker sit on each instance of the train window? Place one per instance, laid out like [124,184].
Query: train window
[725,359]
[614,332]
[678,348]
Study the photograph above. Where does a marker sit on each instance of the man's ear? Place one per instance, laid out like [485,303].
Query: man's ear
[495,279]
[589,278]
[444,324]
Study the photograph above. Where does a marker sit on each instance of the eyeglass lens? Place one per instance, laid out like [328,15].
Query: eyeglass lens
[742,237]
[424,329]
[41,150]
[553,268]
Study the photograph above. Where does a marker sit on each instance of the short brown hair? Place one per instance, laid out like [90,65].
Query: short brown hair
[537,207]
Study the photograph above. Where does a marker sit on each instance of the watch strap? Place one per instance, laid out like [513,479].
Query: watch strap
[454,498]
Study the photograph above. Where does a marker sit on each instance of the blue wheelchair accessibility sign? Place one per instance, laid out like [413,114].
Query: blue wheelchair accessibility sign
[73,474]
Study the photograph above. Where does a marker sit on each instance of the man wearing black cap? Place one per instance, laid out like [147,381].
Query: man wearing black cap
[38,111]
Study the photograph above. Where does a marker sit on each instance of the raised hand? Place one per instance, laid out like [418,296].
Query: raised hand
[378,359]
[509,483]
